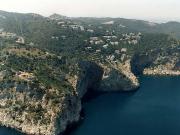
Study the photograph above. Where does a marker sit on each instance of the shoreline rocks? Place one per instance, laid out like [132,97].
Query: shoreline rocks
[167,69]
[70,113]
[161,72]
[118,77]
[109,77]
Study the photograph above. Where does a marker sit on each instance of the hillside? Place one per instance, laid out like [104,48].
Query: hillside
[47,64]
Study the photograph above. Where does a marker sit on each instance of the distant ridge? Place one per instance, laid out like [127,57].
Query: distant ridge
[56,16]
[172,27]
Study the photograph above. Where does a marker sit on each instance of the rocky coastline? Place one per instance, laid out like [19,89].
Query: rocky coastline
[91,76]
[46,74]
[157,72]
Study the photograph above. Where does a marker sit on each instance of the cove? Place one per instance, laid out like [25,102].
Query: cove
[152,110]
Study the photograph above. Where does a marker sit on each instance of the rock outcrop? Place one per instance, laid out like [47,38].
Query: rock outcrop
[160,62]
[140,61]
[118,77]
[31,106]
[57,121]
[165,69]
[70,114]
[89,77]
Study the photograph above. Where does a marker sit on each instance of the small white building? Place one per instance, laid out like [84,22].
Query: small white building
[74,27]
[124,50]
[61,23]
[105,46]
[91,31]
[31,44]
[81,28]
[114,43]
[111,57]
[88,48]
[122,26]
[109,37]
[117,52]
[98,51]
[123,57]
[99,42]
[134,42]
[108,23]
[20,40]
[94,38]
[54,37]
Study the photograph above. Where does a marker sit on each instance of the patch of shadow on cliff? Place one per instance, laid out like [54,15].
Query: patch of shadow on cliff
[90,76]
[177,66]
[140,61]
[73,126]
[92,94]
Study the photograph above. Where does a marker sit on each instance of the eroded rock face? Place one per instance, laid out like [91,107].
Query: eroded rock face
[141,61]
[177,65]
[90,76]
[157,62]
[105,77]
[38,115]
[70,114]
[118,77]
[35,109]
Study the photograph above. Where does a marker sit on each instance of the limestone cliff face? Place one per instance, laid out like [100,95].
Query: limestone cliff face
[168,68]
[107,77]
[40,117]
[118,77]
[177,65]
[141,61]
[32,108]
[70,114]
[157,62]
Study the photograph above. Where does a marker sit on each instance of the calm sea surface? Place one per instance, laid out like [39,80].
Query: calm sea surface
[152,110]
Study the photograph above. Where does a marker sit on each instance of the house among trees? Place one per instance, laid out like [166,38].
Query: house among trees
[20,40]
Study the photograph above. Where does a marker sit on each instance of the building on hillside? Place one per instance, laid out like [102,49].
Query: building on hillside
[98,51]
[117,52]
[20,40]
[124,50]
[105,46]
[91,31]
[114,43]
[60,23]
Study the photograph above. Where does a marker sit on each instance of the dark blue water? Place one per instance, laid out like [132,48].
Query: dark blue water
[153,110]
[8,131]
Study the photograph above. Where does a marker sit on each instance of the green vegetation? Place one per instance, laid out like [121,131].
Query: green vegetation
[35,75]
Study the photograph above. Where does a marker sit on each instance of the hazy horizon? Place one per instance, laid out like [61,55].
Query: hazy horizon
[151,10]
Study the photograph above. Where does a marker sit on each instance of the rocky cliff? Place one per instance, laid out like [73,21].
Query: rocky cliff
[162,60]
[44,99]
[118,77]
[89,77]
[49,122]
[36,96]
[49,64]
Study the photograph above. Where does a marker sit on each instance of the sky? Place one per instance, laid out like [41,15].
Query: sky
[153,10]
